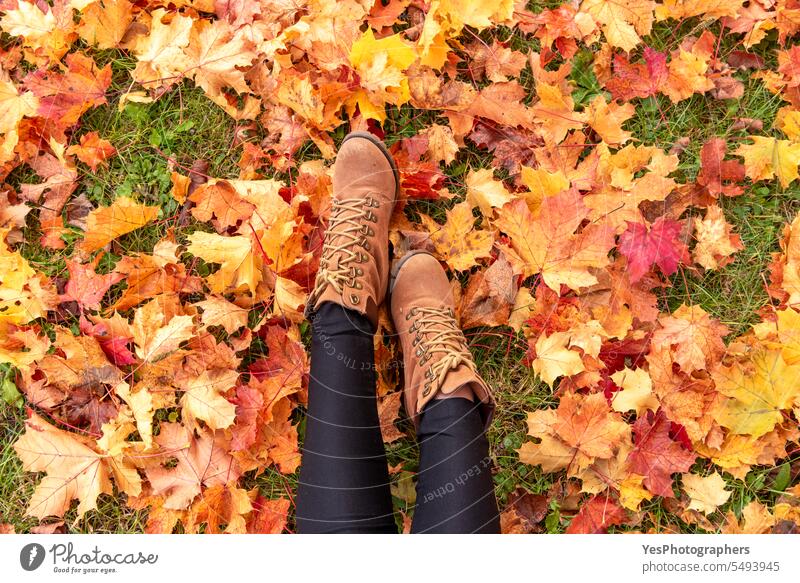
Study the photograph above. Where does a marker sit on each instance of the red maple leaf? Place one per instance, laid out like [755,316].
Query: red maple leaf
[714,170]
[597,515]
[660,246]
[638,79]
[656,455]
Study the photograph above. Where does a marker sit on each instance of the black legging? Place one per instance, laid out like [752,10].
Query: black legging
[344,478]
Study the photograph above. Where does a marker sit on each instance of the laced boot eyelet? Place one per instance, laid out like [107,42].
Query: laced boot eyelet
[355,299]
[408,316]
[358,285]
[427,390]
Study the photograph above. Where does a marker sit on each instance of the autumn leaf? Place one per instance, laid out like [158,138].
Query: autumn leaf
[160,60]
[636,391]
[554,358]
[622,25]
[157,334]
[73,470]
[759,391]
[105,22]
[201,461]
[659,245]
[707,493]
[768,158]
[85,286]
[655,455]
[93,150]
[715,242]
[582,430]
[596,516]
[548,243]
[486,192]
[458,242]
[239,265]
[213,53]
[694,337]
[105,224]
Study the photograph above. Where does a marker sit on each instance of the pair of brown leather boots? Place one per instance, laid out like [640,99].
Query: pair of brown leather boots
[354,272]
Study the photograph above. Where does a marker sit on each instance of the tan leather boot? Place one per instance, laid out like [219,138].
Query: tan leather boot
[436,358]
[354,267]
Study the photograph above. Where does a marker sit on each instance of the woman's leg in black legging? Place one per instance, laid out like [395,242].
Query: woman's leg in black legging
[455,492]
[344,479]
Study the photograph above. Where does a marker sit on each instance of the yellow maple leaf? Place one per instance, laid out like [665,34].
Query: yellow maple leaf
[767,158]
[580,432]
[217,311]
[485,191]
[759,390]
[554,358]
[156,334]
[28,21]
[213,54]
[380,65]
[458,242]
[239,265]
[607,119]
[542,184]
[105,224]
[14,105]
[203,397]
[632,493]
[161,61]
[622,22]
[715,242]
[637,391]
[442,146]
[707,493]
[24,294]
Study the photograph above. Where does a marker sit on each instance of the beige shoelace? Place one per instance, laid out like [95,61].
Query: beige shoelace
[346,231]
[438,333]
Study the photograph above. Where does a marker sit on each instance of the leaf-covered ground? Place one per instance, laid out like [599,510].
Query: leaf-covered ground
[613,188]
